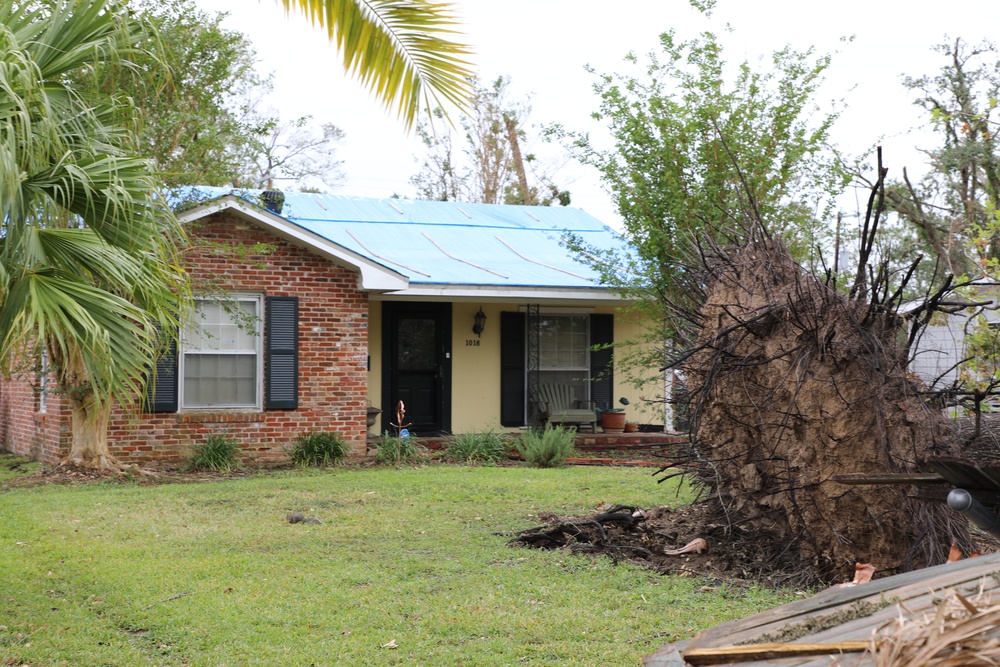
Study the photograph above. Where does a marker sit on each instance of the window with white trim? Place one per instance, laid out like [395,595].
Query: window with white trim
[564,352]
[221,361]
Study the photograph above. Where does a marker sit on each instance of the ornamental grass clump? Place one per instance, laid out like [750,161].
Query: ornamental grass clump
[548,447]
[393,449]
[318,448]
[487,447]
[218,453]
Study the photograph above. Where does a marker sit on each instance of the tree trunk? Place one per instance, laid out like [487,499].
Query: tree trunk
[90,436]
[515,148]
[89,416]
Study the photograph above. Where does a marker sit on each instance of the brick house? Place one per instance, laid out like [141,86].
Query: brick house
[307,316]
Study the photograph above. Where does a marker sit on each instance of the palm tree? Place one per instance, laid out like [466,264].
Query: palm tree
[399,49]
[87,268]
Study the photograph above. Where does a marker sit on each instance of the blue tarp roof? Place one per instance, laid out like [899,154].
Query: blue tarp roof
[452,243]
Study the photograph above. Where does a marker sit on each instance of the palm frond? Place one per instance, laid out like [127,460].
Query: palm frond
[401,50]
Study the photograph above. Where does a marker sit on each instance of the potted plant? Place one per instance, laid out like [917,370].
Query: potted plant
[613,420]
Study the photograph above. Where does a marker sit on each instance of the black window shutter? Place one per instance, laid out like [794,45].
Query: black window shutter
[161,390]
[602,332]
[281,361]
[512,360]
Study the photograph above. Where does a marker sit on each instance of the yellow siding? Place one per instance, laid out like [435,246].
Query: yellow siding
[475,370]
[475,367]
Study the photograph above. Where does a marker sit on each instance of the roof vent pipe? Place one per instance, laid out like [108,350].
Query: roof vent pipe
[273,200]
[962,501]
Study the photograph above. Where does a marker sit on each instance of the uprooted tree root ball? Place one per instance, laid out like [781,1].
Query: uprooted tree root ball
[791,383]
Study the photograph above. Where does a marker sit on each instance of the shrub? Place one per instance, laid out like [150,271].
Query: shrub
[548,447]
[392,449]
[486,447]
[218,453]
[318,449]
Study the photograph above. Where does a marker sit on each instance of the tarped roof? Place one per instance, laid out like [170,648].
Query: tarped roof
[449,243]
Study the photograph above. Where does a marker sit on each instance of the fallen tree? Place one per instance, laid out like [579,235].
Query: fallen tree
[791,382]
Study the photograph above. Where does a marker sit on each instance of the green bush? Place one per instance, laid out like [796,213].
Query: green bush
[318,449]
[392,449]
[546,448]
[486,447]
[218,453]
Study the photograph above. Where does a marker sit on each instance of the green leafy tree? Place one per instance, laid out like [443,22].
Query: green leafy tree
[955,206]
[954,210]
[197,106]
[87,252]
[700,158]
[187,85]
[696,156]
[490,167]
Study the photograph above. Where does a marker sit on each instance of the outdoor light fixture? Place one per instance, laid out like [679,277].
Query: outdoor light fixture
[480,324]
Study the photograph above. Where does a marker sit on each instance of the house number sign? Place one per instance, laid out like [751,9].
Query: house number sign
[471,342]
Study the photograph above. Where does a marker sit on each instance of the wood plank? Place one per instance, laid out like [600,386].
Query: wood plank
[720,655]
[967,474]
[860,629]
[891,478]
[901,586]
[917,595]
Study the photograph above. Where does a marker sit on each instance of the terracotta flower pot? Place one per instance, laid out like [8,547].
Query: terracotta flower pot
[631,427]
[613,422]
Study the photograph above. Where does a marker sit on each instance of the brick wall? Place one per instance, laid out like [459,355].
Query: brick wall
[25,428]
[333,349]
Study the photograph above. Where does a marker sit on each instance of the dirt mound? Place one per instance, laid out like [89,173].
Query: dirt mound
[791,383]
[666,540]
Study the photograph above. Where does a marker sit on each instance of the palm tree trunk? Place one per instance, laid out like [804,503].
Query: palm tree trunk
[89,416]
[90,436]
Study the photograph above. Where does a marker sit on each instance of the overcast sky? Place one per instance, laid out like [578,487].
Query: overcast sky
[543,45]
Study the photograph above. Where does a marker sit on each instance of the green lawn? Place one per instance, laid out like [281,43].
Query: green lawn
[210,573]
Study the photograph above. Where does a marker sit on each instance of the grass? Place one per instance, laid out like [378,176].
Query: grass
[209,574]
[12,466]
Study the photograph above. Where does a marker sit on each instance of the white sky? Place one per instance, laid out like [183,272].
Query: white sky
[543,45]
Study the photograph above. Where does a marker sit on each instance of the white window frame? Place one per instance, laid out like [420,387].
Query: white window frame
[584,370]
[258,301]
[43,381]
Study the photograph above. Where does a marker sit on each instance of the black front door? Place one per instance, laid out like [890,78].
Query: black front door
[416,340]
